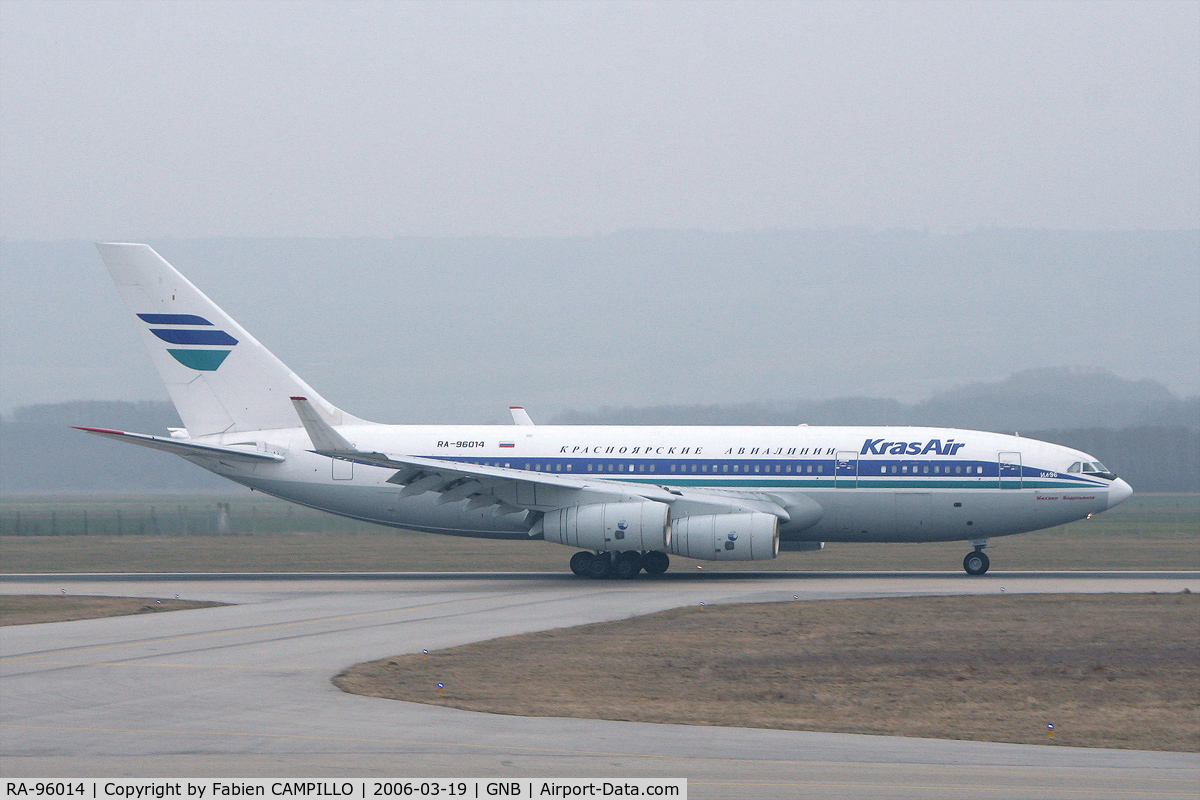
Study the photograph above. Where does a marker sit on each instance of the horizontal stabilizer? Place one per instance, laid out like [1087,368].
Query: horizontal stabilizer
[183,448]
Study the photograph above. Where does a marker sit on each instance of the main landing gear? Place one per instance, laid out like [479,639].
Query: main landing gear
[976,562]
[626,564]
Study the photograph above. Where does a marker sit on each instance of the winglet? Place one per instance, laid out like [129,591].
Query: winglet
[323,435]
[520,416]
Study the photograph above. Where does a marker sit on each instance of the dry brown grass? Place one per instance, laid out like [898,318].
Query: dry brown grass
[30,608]
[1107,670]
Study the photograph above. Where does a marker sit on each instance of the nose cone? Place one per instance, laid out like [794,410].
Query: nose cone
[1119,492]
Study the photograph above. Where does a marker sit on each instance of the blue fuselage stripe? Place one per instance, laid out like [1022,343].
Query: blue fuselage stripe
[748,473]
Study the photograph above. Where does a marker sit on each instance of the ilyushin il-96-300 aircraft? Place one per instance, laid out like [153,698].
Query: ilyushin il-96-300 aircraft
[626,498]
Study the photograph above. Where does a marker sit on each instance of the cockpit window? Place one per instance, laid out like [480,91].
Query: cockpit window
[1075,467]
[1095,469]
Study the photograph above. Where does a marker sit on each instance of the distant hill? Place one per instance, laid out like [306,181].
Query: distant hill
[1138,428]
[1053,398]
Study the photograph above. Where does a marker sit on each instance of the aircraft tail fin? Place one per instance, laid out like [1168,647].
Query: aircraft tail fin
[220,378]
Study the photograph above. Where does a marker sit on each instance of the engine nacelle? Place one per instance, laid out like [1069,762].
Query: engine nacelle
[749,536]
[610,527]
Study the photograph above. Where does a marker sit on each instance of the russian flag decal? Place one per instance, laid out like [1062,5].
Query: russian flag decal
[508,444]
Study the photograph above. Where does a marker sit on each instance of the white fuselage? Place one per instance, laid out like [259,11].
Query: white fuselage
[848,484]
[629,495]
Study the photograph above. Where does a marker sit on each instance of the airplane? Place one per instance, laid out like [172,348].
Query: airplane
[627,498]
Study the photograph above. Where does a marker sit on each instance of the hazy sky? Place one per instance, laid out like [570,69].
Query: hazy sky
[441,330]
[148,120]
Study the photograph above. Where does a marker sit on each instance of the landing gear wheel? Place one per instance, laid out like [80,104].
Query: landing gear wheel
[976,563]
[656,562]
[600,566]
[580,563]
[628,564]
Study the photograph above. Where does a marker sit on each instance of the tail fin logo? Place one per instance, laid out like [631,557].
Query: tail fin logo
[198,336]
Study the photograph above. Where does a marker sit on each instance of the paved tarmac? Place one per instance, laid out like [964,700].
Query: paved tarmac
[244,690]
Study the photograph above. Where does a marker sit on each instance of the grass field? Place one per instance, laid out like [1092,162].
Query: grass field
[259,534]
[1106,670]
[30,609]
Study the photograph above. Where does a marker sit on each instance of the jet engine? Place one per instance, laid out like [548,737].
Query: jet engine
[610,527]
[750,536]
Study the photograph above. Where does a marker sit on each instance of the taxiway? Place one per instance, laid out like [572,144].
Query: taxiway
[244,690]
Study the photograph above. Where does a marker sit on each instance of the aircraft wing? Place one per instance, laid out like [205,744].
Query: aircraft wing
[512,490]
[509,490]
[184,448]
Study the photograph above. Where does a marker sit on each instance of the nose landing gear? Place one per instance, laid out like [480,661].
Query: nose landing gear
[977,562]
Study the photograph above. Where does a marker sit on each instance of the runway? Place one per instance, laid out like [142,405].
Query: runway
[244,690]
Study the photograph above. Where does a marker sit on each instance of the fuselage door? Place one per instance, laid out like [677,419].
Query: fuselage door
[1010,470]
[845,469]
